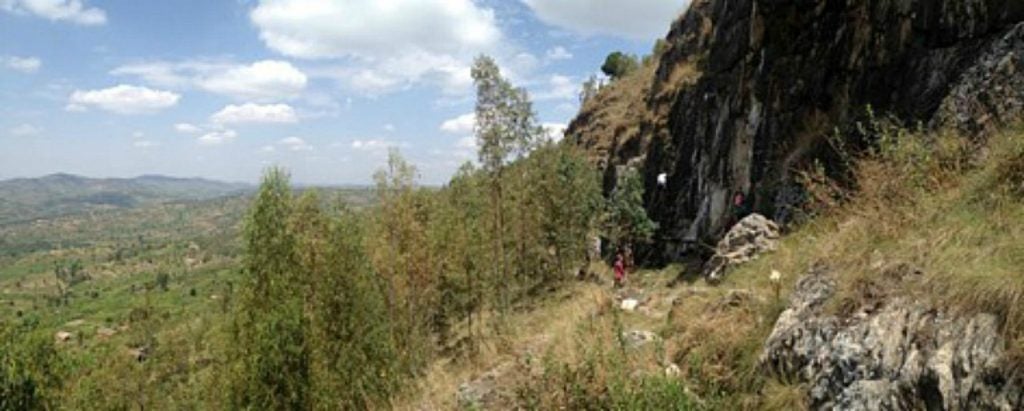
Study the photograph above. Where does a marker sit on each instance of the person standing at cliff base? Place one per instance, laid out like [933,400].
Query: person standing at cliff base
[620,270]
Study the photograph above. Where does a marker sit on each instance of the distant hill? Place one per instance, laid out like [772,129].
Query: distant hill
[25,199]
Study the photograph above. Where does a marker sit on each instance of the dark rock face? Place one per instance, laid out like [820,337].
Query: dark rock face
[777,76]
[893,355]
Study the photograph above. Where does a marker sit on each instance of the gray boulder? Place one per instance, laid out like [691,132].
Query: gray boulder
[749,238]
[894,355]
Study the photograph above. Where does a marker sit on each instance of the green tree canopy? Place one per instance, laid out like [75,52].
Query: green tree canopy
[626,220]
[619,64]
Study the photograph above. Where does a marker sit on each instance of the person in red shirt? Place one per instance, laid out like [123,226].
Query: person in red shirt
[620,270]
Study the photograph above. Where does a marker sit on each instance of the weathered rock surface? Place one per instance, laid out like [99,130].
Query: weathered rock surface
[62,336]
[895,355]
[475,393]
[777,77]
[639,338]
[749,238]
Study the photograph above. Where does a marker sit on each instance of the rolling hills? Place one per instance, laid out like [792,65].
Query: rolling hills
[27,199]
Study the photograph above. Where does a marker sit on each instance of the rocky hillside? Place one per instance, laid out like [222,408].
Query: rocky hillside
[906,292]
[750,90]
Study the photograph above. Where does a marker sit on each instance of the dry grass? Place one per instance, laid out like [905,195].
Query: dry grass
[625,115]
[548,327]
[924,223]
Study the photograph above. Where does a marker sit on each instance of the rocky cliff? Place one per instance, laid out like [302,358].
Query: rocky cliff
[749,90]
[890,354]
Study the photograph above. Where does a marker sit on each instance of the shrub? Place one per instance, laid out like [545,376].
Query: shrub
[29,368]
[619,64]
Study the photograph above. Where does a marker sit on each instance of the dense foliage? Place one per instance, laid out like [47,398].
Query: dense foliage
[619,64]
[341,308]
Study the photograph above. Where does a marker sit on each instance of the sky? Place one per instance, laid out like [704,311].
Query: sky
[222,89]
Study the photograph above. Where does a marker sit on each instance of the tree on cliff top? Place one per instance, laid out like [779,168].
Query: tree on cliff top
[619,64]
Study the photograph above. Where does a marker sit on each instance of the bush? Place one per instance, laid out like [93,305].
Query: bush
[619,64]
[29,372]
[162,279]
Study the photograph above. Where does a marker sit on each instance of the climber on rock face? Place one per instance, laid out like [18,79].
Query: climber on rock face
[738,209]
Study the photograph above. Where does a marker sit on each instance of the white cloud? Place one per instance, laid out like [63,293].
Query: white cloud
[217,137]
[27,65]
[187,128]
[558,53]
[386,45]
[558,87]
[460,125]
[74,11]
[555,131]
[145,144]
[262,81]
[171,75]
[296,144]
[463,125]
[24,130]
[267,149]
[123,99]
[255,113]
[467,142]
[390,128]
[373,28]
[375,145]
[400,72]
[637,19]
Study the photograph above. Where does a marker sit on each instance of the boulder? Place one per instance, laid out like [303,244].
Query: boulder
[673,371]
[639,338]
[749,238]
[898,355]
[139,354]
[476,394]
[105,332]
[63,336]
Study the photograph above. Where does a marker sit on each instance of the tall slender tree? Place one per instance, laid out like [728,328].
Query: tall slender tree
[270,354]
[399,254]
[506,129]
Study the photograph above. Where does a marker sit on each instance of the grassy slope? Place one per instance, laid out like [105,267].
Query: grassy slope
[924,202]
[922,205]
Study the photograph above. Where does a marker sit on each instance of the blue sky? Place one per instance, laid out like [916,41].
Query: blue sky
[223,89]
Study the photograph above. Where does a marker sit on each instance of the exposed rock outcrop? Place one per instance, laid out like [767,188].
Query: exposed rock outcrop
[749,238]
[893,355]
[765,81]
